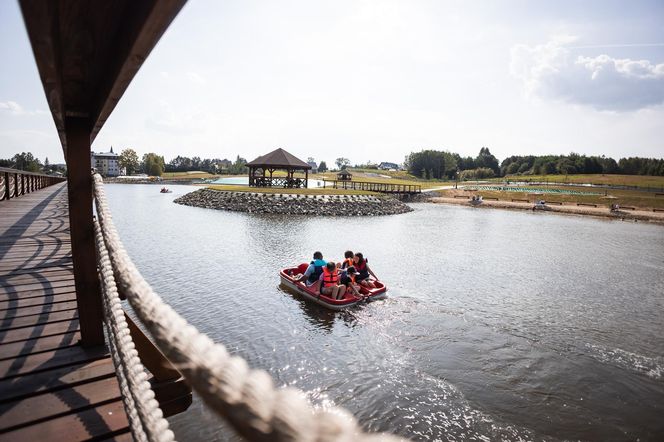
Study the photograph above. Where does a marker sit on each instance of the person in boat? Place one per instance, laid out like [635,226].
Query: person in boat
[314,271]
[363,270]
[348,259]
[347,279]
[330,283]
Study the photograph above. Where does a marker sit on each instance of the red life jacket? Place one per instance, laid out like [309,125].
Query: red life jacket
[361,267]
[330,278]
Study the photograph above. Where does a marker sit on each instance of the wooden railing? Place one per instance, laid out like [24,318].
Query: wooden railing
[374,187]
[14,183]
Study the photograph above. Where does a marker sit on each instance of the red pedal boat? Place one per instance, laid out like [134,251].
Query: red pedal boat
[313,294]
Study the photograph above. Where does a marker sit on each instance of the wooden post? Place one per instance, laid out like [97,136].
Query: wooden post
[79,183]
[7,194]
[306,178]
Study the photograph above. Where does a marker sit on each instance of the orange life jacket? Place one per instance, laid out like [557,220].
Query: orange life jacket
[349,262]
[330,278]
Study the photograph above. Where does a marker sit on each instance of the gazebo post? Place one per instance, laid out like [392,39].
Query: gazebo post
[306,178]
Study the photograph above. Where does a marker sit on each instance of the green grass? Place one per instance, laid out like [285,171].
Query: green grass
[618,180]
[187,175]
[640,199]
[313,191]
[398,177]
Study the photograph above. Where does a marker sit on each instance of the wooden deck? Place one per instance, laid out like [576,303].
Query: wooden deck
[51,387]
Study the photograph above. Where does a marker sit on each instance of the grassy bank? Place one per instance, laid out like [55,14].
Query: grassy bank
[312,191]
[639,199]
[614,180]
[187,175]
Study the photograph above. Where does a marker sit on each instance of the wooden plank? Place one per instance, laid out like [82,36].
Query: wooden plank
[21,334]
[12,323]
[37,309]
[55,379]
[43,406]
[32,290]
[50,359]
[98,421]
[37,300]
[30,346]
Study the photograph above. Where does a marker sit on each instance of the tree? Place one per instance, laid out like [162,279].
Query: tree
[153,164]
[342,163]
[485,159]
[322,167]
[25,161]
[129,160]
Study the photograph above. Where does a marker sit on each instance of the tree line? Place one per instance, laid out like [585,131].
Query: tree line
[27,162]
[435,164]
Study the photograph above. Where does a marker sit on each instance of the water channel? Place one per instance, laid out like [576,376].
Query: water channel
[498,325]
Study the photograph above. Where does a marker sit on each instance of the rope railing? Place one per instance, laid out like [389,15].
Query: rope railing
[146,419]
[245,397]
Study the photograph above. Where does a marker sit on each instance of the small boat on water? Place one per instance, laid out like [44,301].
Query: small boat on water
[313,294]
[165,190]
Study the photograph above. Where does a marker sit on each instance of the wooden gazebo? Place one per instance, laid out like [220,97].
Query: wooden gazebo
[261,170]
[344,175]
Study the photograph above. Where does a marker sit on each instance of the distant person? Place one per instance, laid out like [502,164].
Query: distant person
[347,278]
[314,271]
[363,271]
[330,285]
[348,259]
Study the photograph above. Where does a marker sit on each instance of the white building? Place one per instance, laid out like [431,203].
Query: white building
[106,163]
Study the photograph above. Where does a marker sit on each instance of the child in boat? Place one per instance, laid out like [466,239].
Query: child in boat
[363,271]
[314,271]
[347,278]
[348,259]
[330,282]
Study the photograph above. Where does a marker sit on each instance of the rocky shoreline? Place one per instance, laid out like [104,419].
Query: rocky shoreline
[294,204]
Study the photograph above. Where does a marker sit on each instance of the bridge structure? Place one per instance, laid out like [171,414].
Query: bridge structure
[389,188]
[73,363]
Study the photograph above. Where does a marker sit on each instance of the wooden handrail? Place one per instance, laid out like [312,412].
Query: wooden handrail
[15,183]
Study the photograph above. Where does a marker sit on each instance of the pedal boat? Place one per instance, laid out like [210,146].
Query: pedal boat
[313,294]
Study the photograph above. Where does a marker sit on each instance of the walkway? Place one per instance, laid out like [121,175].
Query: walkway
[51,386]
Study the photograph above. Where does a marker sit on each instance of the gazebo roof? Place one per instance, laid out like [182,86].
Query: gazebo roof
[279,158]
[344,172]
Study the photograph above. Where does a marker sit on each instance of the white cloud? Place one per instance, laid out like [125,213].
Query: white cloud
[11,107]
[550,71]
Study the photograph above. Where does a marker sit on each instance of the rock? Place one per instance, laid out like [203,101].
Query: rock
[328,205]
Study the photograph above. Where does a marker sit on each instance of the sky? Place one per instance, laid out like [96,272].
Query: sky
[372,81]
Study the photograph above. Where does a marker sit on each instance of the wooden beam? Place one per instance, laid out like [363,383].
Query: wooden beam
[88,294]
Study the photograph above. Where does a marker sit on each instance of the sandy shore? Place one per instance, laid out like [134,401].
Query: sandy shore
[626,215]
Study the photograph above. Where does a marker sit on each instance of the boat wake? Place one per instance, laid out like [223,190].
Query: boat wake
[653,367]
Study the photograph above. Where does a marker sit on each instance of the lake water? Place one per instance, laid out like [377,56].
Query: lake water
[498,325]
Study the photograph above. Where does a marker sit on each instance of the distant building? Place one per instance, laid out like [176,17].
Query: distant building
[107,163]
[224,164]
[314,166]
[388,166]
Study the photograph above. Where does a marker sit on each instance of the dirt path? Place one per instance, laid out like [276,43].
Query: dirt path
[631,215]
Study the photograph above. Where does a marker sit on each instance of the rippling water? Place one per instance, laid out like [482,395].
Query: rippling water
[498,325]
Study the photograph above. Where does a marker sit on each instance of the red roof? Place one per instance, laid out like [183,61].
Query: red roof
[279,158]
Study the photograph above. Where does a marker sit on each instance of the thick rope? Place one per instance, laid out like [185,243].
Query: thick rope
[146,419]
[246,397]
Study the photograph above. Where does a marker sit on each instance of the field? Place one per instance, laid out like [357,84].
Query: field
[187,175]
[393,177]
[313,191]
[615,180]
[640,199]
